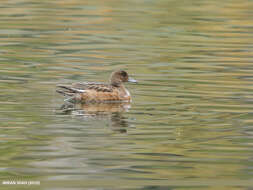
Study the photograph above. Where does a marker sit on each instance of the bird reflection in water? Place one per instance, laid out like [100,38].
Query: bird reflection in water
[113,111]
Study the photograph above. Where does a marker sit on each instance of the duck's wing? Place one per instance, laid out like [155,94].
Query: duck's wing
[82,87]
[68,90]
[99,87]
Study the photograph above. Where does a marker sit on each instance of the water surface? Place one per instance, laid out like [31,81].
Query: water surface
[189,125]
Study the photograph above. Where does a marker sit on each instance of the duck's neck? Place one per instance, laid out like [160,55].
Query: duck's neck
[116,84]
[123,92]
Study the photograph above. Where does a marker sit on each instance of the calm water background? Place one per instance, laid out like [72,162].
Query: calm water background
[190,125]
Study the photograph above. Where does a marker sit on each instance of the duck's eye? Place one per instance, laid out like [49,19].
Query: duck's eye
[123,73]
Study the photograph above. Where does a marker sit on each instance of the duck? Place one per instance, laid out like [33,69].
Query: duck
[96,92]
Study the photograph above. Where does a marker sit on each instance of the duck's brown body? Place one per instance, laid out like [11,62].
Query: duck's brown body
[99,92]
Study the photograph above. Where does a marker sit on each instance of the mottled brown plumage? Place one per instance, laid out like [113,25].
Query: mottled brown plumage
[98,92]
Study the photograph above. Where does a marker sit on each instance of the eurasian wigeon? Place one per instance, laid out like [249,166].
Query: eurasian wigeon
[87,92]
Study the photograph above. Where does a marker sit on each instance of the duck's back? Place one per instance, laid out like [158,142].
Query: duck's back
[100,87]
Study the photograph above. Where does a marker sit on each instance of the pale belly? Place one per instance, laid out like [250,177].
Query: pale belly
[127,94]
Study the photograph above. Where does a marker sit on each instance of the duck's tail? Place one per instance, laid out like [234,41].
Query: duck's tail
[71,93]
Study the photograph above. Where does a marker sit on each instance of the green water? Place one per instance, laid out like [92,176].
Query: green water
[190,123]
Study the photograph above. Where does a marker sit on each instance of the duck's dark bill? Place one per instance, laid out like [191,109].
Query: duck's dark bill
[132,80]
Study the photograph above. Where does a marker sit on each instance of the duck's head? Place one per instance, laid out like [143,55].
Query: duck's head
[120,76]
